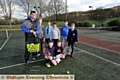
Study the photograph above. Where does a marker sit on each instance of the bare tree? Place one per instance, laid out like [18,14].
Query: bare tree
[7,7]
[56,7]
[26,5]
[41,6]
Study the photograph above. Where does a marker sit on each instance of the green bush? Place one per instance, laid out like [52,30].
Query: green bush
[80,24]
[114,23]
[87,24]
[76,24]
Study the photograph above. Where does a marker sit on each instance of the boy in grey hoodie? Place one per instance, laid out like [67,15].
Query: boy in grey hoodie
[55,34]
[41,35]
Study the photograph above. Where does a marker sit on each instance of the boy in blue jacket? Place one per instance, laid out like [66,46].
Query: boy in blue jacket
[64,33]
[31,28]
[50,54]
[47,32]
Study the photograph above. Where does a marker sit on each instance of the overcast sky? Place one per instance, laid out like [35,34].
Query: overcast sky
[83,5]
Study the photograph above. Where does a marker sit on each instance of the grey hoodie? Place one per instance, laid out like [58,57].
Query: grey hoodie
[42,32]
[55,33]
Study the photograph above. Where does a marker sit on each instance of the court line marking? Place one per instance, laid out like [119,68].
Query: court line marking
[107,60]
[20,64]
[107,38]
[33,70]
[5,42]
[78,48]
[100,47]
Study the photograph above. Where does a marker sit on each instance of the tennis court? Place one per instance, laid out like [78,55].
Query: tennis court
[94,63]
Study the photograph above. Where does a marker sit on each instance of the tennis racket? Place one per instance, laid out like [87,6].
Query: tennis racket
[67,50]
[45,50]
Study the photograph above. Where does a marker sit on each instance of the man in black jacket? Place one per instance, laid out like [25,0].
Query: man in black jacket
[72,37]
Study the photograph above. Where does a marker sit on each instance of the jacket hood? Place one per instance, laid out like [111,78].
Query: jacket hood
[29,17]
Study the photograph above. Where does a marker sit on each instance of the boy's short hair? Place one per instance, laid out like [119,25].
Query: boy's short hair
[40,18]
[32,12]
[73,24]
[48,21]
[54,23]
[65,20]
[59,41]
[50,41]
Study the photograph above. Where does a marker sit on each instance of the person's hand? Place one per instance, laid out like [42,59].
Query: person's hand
[43,39]
[34,33]
[75,42]
[31,31]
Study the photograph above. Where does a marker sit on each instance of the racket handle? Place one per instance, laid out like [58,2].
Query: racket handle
[35,35]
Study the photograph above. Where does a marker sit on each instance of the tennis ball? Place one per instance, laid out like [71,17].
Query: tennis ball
[68,72]
[52,75]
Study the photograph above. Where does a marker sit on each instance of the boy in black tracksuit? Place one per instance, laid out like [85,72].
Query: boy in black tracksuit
[72,37]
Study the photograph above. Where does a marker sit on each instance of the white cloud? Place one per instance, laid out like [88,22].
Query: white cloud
[83,5]
[76,5]
[19,13]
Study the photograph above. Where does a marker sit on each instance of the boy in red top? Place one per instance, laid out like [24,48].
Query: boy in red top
[59,52]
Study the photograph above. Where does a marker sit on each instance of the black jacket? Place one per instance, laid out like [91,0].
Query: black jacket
[72,36]
[58,50]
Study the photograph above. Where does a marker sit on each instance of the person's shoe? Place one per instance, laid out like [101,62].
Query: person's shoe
[48,65]
[38,55]
[27,61]
[34,59]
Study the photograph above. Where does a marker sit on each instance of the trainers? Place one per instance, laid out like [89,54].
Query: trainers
[38,55]
[34,59]
[48,65]
[27,61]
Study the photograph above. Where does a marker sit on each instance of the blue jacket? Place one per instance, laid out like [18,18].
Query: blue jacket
[47,35]
[64,31]
[26,30]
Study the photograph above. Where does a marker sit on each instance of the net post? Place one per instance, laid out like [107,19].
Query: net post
[7,33]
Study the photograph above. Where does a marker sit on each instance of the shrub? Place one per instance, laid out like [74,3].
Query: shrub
[80,24]
[87,24]
[114,23]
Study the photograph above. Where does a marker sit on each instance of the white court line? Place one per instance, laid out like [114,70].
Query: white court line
[78,48]
[19,64]
[33,70]
[101,38]
[100,57]
[101,47]
[5,42]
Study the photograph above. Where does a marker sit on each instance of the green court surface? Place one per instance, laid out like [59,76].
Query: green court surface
[103,34]
[93,64]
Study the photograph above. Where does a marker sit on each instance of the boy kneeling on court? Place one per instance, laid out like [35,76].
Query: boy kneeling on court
[59,52]
[50,54]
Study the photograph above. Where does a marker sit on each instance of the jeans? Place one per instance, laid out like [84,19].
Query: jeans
[64,41]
